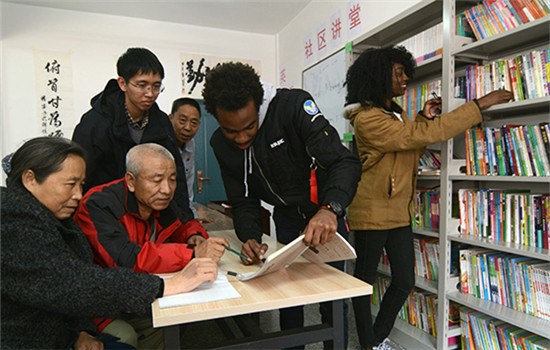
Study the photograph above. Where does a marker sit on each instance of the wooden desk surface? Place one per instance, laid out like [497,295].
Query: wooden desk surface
[213,220]
[300,284]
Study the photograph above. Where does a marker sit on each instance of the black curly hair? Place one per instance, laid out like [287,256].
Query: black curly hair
[230,86]
[369,79]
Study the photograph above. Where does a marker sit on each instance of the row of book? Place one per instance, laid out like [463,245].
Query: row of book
[426,262]
[426,210]
[513,150]
[480,331]
[525,75]
[426,44]
[492,17]
[519,282]
[510,216]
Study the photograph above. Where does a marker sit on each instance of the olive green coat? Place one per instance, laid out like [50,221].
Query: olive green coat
[389,151]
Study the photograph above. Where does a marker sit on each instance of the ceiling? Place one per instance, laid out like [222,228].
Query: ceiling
[256,16]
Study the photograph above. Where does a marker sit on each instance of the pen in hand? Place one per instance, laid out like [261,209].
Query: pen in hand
[238,253]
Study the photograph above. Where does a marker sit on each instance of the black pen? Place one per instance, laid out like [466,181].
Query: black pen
[236,252]
[434,95]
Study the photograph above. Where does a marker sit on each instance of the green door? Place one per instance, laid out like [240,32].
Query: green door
[208,180]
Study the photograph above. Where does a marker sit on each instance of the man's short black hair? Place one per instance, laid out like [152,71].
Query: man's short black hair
[138,60]
[369,79]
[230,86]
[182,101]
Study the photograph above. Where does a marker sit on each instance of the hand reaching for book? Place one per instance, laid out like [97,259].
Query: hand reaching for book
[493,98]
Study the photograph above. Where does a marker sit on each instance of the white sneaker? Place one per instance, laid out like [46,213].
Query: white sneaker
[385,345]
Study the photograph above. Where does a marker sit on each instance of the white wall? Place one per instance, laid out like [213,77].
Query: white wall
[290,41]
[95,42]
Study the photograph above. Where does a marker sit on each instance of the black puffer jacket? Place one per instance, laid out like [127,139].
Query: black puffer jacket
[103,133]
[293,135]
[50,287]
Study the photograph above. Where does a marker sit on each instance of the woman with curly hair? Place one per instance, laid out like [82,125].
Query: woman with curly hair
[389,146]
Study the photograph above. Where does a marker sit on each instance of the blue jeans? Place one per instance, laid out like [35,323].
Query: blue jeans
[399,247]
[288,228]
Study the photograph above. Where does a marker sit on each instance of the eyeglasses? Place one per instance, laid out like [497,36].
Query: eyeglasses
[144,87]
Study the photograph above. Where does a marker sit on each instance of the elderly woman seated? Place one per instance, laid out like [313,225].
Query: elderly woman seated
[50,287]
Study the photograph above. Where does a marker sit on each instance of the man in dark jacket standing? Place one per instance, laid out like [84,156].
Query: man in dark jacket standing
[276,146]
[125,114]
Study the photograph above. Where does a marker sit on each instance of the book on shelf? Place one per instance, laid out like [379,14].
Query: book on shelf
[510,216]
[338,248]
[524,74]
[492,17]
[512,150]
[480,331]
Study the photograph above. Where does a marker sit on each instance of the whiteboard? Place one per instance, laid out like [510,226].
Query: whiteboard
[325,82]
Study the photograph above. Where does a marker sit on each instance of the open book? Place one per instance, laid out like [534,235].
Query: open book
[335,250]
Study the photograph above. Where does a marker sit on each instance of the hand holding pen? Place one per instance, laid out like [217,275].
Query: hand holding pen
[432,107]
[244,257]
[254,250]
[212,248]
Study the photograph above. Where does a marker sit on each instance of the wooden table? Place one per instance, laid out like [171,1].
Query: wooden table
[213,220]
[300,284]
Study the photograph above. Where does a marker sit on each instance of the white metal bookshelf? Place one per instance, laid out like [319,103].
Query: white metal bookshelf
[521,39]
[455,56]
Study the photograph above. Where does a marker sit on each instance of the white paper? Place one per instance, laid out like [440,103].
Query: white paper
[220,289]
[335,250]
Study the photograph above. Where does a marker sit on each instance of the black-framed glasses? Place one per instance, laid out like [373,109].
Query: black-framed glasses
[144,87]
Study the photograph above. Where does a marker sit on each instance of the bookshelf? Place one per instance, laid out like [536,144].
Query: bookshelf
[525,37]
[456,55]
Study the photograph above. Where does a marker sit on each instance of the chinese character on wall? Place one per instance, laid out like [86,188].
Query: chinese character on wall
[194,68]
[54,93]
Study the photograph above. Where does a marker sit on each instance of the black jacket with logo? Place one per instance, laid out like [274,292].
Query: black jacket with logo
[293,136]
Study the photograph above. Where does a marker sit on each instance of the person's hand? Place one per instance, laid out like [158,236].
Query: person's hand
[432,108]
[254,250]
[86,342]
[196,240]
[212,248]
[321,228]
[198,270]
[493,98]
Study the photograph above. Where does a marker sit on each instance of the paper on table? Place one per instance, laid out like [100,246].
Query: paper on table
[220,289]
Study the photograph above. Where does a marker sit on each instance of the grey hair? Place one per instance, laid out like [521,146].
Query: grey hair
[134,156]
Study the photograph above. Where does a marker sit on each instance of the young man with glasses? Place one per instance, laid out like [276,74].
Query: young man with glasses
[125,114]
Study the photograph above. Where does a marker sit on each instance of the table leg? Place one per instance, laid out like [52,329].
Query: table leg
[338,324]
[172,337]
